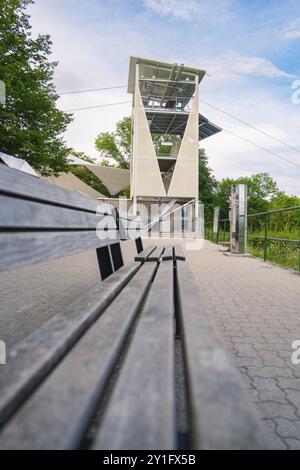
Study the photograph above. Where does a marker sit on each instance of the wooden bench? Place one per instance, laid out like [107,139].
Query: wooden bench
[135,363]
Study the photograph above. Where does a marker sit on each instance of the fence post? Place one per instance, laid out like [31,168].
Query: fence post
[266,236]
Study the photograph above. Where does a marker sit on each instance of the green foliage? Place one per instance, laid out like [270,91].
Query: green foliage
[82,156]
[281,252]
[164,149]
[114,147]
[89,178]
[207,185]
[125,192]
[288,221]
[261,190]
[222,196]
[31,125]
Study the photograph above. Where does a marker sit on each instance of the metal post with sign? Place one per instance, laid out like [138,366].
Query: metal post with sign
[238,219]
[216,224]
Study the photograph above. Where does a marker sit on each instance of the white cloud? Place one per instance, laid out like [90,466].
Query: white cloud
[234,65]
[191,9]
[177,8]
[293,30]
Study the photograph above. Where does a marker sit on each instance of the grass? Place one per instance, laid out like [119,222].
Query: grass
[282,252]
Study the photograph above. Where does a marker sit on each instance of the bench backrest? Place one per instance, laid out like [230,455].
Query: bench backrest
[40,221]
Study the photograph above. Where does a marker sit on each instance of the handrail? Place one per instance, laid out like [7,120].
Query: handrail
[284,209]
[264,226]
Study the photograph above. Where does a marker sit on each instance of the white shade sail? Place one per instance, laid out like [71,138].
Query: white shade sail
[17,164]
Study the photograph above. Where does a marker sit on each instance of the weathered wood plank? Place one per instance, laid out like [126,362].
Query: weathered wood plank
[17,183]
[178,252]
[20,213]
[57,415]
[156,254]
[168,253]
[141,410]
[143,255]
[20,249]
[220,413]
[31,360]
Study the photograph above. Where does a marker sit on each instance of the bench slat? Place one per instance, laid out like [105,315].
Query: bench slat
[221,415]
[17,183]
[143,255]
[20,249]
[141,410]
[20,213]
[57,415]
[156,254]
[178,252]
[168,253]
[31,360]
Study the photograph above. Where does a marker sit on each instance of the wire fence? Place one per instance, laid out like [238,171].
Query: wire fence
[273,235]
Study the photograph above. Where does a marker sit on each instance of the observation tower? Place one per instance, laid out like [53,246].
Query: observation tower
[166,131]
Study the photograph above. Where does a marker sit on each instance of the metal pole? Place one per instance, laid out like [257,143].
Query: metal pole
[266,236]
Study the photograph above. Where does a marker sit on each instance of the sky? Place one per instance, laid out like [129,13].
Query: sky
[250,50]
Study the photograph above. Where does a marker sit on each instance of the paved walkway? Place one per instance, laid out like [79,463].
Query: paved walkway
[256,306]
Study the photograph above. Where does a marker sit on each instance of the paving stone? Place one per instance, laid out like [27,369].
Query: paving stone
[269,409]
[294,444]
[264,383]
[248,361]
[273,361]
[277,443]
[294,397]
[270,372]
[274,394]
[293,383]
[287,428]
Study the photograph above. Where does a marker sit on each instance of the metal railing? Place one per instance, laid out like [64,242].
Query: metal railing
[172,103]
[271,236]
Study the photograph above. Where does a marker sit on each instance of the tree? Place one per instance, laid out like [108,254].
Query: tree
[222,196]
[261,190]
[289,221]
[207,185]
[31,125]
[115,147]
